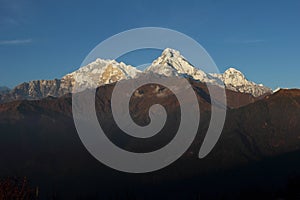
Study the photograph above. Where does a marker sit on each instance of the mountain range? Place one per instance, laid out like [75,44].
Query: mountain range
[101,72]
[256,156]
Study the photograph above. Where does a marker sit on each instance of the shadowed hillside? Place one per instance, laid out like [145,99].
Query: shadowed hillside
[258,149]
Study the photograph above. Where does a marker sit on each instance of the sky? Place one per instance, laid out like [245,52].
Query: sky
[48,39]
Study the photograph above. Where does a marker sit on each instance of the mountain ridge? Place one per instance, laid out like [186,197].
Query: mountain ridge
[101,72]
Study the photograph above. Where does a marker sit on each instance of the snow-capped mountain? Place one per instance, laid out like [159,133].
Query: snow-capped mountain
[172,63]
[97,73]
[101,72]
[235,80]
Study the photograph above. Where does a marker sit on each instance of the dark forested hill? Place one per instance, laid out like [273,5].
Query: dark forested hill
[257,154]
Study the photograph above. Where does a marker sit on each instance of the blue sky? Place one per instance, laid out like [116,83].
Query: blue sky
[47,39]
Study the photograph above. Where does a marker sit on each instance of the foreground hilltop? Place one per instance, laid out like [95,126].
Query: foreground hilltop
[39,140]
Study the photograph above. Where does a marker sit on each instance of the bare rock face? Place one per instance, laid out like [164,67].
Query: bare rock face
[37,89]
[33,90]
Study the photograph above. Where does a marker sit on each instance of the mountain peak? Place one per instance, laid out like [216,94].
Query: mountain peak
[169,56]
[98,73]
[235,80]
[170,63]
[234,76]
[168,52]
[232,70]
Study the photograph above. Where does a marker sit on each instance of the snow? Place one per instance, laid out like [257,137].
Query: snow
[100,72]
[170,63]
[277,89]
